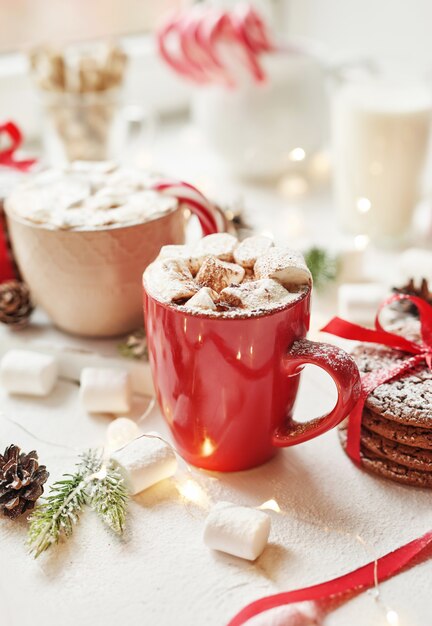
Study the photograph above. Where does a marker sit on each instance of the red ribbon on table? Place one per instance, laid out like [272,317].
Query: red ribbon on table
[7,155]
[8,159]
[420,351]
[355,582]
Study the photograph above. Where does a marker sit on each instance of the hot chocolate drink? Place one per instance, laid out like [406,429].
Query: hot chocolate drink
[89,196]
[221,276]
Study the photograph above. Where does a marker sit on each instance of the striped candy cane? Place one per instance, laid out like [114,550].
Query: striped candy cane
[211,218]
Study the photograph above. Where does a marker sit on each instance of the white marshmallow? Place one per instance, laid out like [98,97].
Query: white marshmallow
[203,299]
[218,274]
[286,266]
[171,279]
[416,263]
[122,431]
[28,373]
[237,530]
[220,245]
[144,462]
[359,302]
[299,614]
[105,390]
[248,251]
[185,253]
[257,295]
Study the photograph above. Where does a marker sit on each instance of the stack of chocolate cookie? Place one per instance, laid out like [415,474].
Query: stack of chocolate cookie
[396,435]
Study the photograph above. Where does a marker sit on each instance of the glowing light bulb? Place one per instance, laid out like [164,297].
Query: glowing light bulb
[270,505]
[293,186]
[120,432]
[392,618]
[297,154]
[192,492]
[361,242]
[363,205]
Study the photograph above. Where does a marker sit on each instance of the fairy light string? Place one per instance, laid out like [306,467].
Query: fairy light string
[195,495]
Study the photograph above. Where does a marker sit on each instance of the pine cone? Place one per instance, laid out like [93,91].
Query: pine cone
[21,481]
[15,304]
[410,289]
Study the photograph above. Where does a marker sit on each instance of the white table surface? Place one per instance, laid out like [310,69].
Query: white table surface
[334,517]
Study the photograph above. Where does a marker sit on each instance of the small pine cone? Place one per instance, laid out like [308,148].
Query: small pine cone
[21,481]
[411,289]
[15,304]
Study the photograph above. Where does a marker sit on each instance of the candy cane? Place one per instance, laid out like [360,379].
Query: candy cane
[198,35]
[211,219]
[176,64]
[195,54]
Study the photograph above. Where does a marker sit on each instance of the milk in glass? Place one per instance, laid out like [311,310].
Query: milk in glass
[380,138]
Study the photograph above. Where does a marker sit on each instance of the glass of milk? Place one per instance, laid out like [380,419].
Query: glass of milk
[380,133]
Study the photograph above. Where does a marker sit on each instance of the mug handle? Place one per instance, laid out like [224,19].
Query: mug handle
[212,219]
[346,377]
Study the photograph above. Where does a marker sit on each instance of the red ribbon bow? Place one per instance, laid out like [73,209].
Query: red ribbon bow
[420,351]
[7,156]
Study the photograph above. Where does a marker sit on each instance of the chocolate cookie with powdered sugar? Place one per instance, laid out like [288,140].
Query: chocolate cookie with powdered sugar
[387,468]
[396,434]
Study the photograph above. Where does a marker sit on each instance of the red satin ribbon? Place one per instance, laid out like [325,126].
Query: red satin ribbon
[7,156]
[354,582]
[419,351]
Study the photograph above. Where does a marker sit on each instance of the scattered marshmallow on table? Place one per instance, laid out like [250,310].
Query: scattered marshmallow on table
[416,263]
[105,390]
[145,462]
[298,614]
[237,530]
[28,373]
[359,302]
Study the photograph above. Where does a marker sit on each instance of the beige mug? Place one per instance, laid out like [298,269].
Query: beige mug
[89,281]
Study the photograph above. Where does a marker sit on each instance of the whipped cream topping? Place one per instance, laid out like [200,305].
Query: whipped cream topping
[218,276]
[89,196]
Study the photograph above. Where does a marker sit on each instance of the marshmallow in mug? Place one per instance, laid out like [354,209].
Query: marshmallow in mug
[205,298]
[145,462]
[104,390]
[28,373]
[286,266]
[253,275]
[218,274]
[219,245]
[252,294]
[237,530]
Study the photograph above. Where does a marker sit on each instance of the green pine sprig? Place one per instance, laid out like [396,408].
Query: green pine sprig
[108,498]
[102,487]
[58,514]
[322,265]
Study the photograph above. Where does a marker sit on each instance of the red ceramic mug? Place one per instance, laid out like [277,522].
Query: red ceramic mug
[227,386]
